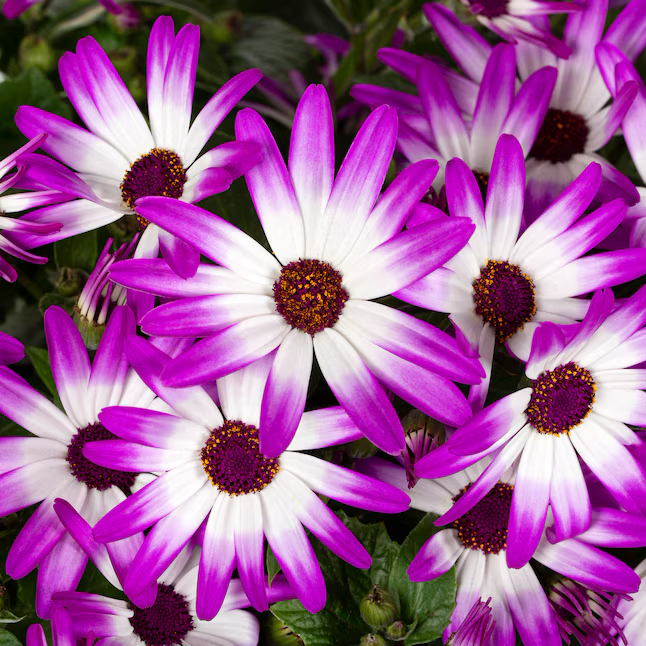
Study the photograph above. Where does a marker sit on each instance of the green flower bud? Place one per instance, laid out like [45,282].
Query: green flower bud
[372,640]
[278,634]
[377,608]
[34,51]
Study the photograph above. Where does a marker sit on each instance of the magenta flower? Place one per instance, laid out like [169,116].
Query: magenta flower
[503,284]
[477,541]
[578,122]
[11,350]
[51,465]
[453,117]
[120,158]
[584,392]
[335,247]
[62,632]
[214,473]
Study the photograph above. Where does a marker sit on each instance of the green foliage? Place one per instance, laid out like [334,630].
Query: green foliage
[8,639]
[77,252]
[40,360]
[426,607]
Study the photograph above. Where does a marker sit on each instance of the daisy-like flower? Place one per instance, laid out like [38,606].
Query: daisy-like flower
[11,350]
[334,249]
[214,470]
[512,20]
[452,117]
[584,392]
[19,202]
[578,122]
[502,285]
[476,543]
[120,158]
[167,617]
[51,465]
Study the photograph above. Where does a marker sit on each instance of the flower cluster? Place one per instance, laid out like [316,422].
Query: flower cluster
[219,397]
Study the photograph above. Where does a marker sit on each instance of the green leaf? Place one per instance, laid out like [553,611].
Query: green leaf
[271,45]
[7,617]
[272,565]
[77,252]
[32,87]
[430,603]
[7,639]
[40,359]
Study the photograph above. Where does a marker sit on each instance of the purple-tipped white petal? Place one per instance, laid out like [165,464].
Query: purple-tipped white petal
[436,556]
[324,427]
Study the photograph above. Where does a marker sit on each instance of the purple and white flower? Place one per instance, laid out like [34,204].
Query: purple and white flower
[51,465]
[476,543]
[503,284]
[578,122]
[584,392]
[215,474]
[62,632]
[120,158]
[633,613]
[336,246]
[453,117]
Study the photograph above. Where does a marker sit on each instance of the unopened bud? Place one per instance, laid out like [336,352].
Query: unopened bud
[372,640]
[34,51]
[396,631]
[377,608]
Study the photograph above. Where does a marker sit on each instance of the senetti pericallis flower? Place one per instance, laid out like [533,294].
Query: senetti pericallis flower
[336,246]
[120,158]
[504,283]
[585,389]
[213,471]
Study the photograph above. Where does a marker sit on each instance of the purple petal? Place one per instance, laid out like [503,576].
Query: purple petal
[436,556]
[160,42]
[283,401]
[324,427]
[357,390]
[181,257]
[346,486]
[129,456]
[612,528]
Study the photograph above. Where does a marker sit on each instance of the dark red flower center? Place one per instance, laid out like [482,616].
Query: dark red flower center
[159,172]
[166,622]
[233,462]
[504,298]
[488,8]
[309,295]
[90,474]
[562,135]
[561,399]
[484,526]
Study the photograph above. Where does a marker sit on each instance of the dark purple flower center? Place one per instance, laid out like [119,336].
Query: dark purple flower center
[159,172]
[90,474]
[233,462]
[562,135]
[484,526]
[587,614]
[166,622]
[561,399]
[309,295]
[488,8]
[483,183]
[504,298]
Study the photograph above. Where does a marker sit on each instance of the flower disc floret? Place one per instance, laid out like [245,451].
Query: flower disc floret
[484,527]
[562,135]
[90,474]
[157,173]
[309,295]
[489,8]
[166,622]
[233,462]
[504,298]
[561,399]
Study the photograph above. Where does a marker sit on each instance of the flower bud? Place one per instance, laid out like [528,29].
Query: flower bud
[396,631]
[278,634]
[372,640]
[34,51]
[377,608]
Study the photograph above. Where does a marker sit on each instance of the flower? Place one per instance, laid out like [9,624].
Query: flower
[51,465]
[577,124]
[216,475]
[334,249]
[512,20]
[583,394]
[121,158]
[20,202]
[165,614]
[11,350]
[476,628]
[476,543]
[503,284]
[452,117]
